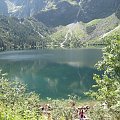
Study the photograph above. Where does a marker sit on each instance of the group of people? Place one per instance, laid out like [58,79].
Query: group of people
[79,111]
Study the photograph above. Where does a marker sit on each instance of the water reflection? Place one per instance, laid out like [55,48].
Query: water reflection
[52,74]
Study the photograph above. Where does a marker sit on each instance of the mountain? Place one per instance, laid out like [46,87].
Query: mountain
[59,12]
[80,10]
[85,11]
[3,8]
[80,34]
[24,8]
[56,23]
[22,33]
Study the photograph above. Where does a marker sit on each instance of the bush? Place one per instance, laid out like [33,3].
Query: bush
[15,103]
[108,85]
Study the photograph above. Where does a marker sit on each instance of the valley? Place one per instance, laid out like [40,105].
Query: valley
[39,24]
[59,59]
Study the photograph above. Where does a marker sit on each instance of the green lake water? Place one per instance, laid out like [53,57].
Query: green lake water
[52,73]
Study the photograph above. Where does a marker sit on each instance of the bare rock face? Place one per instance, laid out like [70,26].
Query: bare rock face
[24,8]
[3,8]
[58,12]
[92,9]
[85,10]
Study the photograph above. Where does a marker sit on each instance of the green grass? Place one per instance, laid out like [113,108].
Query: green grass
[90,32]
[93,22]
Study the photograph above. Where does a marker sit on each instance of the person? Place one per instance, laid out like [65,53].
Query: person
[81,113]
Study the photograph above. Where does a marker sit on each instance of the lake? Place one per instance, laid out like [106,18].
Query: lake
[52,73]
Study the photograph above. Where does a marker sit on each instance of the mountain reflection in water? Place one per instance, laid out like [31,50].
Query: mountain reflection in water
[52,73]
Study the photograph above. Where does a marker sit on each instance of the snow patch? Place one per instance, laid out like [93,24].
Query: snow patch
[12,8]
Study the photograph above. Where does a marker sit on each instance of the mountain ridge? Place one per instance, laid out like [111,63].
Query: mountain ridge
[85,11]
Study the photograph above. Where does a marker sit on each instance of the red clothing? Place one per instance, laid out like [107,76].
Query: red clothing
[81,114]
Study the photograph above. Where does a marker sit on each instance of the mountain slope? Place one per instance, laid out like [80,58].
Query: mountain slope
[3,8]
[76,34]
[114,32]
[30,34]
[21,33]
[24,8]
[85,11]
[51,11]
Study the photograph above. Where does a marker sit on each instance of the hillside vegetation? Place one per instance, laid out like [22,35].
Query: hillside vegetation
[30,34]
[21,33]
[56,23]
[81,34]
